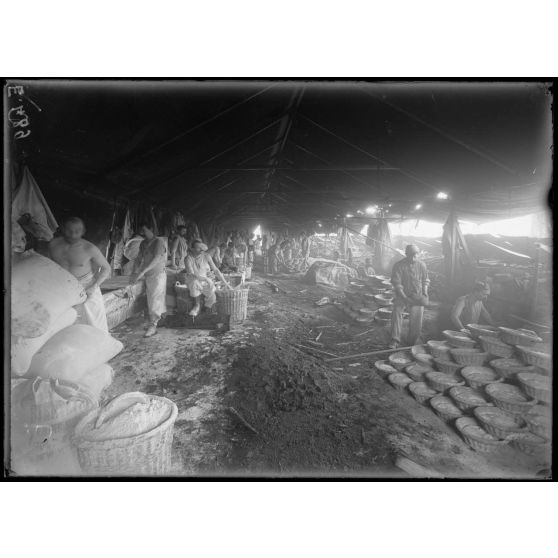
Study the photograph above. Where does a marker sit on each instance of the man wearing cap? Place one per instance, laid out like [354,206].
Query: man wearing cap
[198,264]
[410,282]
[470,309]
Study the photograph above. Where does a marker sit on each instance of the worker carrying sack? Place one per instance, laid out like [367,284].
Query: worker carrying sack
[41,292]
[73,352]
[23,349]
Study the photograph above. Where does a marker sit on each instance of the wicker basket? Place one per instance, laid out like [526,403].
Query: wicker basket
[466,398]
[144,454]
[485,330]
[417,371]
[459,339]
[535,358]
[233,303]
[479,376]
[469,357]
[400,360]
[421,392]
[496,347]
[476,436]
[510,398]
[382,321]
[536,385]
[399,381]
[447,366]
[444,408]
[539,421]
[530,443]
[509,367]
[440,350]
[442,382]
[523,337]
[499,423]
[384,368]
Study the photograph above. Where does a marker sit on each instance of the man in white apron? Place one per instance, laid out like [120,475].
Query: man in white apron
[150,265]
[86,263]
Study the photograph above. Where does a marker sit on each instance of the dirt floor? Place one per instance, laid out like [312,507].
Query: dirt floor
[252,402]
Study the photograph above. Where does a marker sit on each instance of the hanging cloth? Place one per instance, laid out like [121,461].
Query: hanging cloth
[31,210]
[457,258]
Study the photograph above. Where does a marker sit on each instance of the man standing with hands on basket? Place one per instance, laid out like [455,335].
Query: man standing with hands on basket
[410,283]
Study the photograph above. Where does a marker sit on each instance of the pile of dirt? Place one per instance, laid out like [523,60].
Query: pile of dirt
[300,414]
[271,376]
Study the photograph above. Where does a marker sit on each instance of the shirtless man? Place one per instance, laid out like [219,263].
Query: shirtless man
[86,263]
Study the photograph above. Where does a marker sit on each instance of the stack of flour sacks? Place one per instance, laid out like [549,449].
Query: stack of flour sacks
[61,363]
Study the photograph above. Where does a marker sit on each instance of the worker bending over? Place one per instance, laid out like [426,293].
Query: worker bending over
[410,283]
[198,264]
[150,265]
[470,309]
[86,263]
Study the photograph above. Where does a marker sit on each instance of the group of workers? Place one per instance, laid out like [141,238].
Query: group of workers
[200,265]
[410,282]
[286,253]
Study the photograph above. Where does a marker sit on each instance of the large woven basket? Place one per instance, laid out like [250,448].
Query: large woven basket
[469,357]
[466,398]
[519,336]
[144,454]
[476,436]
[496,347]
[535,358]
[479,376]
[486,330]
[233,303]
[509,367]
[510,398]
[492,417]
[459,339]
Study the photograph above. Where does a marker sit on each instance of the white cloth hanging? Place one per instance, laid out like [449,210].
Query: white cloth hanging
[29,199]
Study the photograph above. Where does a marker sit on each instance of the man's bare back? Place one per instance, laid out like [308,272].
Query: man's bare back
[79,258]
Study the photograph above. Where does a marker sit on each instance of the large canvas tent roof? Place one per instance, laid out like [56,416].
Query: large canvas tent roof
[289,152]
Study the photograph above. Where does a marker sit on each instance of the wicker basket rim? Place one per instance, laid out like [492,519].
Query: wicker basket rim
[463,422]
[521,425]
[124,442]
[493,389]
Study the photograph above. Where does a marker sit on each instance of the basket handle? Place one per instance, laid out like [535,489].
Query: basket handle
[132,397]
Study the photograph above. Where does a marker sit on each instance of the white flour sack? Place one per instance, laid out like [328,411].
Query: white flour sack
[96,380]
[41,292]
[73,352]
[23,348]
